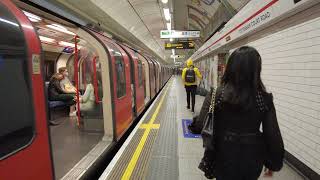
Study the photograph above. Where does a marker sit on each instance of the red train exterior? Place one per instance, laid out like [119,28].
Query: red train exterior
[128,92]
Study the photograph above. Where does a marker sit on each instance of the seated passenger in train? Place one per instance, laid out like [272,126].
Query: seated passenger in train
[56,93]
[65,83]
[87,100]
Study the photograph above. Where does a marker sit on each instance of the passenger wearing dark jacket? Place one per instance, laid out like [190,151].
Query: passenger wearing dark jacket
[241,106]
[56,93]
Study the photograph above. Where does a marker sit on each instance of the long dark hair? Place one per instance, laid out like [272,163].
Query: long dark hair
[242,78]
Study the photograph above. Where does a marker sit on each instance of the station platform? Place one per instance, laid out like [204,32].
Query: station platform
[161,147]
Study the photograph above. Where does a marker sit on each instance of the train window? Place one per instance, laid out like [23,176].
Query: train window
[140,75]
[120,71]
[121,76]
[16,109]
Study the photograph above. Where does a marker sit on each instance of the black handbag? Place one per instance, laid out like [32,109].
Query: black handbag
[208,164]
[207,132]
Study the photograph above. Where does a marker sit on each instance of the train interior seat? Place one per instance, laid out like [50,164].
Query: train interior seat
[93,119]
[52,105]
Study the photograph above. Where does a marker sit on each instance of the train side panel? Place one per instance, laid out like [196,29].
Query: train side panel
[25,71]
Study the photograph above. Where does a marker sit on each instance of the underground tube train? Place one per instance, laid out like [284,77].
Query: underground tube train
[34,44]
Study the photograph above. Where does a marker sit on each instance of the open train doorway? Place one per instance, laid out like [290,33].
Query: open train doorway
[77,127]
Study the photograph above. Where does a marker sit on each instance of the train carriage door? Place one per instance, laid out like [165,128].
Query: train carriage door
[122,88]
[152,78]
[133,79]
[23,125]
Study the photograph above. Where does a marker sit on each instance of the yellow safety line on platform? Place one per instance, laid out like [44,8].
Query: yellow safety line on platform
[127,174]
[151,126]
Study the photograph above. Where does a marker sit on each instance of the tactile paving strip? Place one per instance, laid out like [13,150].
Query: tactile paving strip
[164,159]
[140,168]
[123,162]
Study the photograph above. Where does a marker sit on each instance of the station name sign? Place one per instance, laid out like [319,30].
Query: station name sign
[180,45]
[165,34]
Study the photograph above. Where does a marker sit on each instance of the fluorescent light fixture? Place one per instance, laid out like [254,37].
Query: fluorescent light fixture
[46,39]
[164,1]
[166,13]
[169,26]
[63,43]
[33,20]
[32,17]
[60,28]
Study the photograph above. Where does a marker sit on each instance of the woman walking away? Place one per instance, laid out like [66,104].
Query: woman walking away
[241,105]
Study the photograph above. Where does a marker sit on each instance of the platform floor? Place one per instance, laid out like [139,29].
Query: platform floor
[157,147]
[70,144]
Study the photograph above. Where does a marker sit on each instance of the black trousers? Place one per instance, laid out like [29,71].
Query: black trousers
[191,91]
[66,98]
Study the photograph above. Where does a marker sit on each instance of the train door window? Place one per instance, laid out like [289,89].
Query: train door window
[140,73]
[120,71]
[121,77]
[17,114]
[99,78]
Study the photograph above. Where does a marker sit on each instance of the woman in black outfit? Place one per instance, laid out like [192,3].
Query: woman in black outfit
[241,106]
[56,93]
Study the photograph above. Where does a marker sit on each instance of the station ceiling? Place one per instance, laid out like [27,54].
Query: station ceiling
[139,22]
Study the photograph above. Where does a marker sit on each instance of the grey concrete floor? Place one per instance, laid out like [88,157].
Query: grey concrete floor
[69,144]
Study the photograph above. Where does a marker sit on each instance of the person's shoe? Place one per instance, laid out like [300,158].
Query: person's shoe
[190,129]
[188,107]
[52,123]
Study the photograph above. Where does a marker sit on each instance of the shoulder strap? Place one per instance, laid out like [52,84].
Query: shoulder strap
[213,97]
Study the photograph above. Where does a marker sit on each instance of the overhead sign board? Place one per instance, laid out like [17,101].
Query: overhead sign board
[177,56]
[165,34]
[180,45]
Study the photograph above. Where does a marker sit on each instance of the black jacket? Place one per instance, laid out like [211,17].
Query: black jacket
[232,118]
[54,89]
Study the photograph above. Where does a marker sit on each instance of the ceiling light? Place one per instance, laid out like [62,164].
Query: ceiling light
[166,14]
[169,26]
[46,39]
[34,18]
[63,43]
[60,28]
[164,1]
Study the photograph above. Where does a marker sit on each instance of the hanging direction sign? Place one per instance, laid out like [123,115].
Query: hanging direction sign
[165,34]
[180,45]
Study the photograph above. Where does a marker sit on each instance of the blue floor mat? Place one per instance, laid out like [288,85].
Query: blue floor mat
[186,132]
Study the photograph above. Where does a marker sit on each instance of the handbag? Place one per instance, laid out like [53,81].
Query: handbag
[208,164]
[207,132]
[201,90]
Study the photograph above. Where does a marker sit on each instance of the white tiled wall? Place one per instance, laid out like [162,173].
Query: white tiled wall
[290,53]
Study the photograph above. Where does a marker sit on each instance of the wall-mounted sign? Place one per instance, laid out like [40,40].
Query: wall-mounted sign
[177,56]
[68,50]
[180,45]
[36,64]
[165,34]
